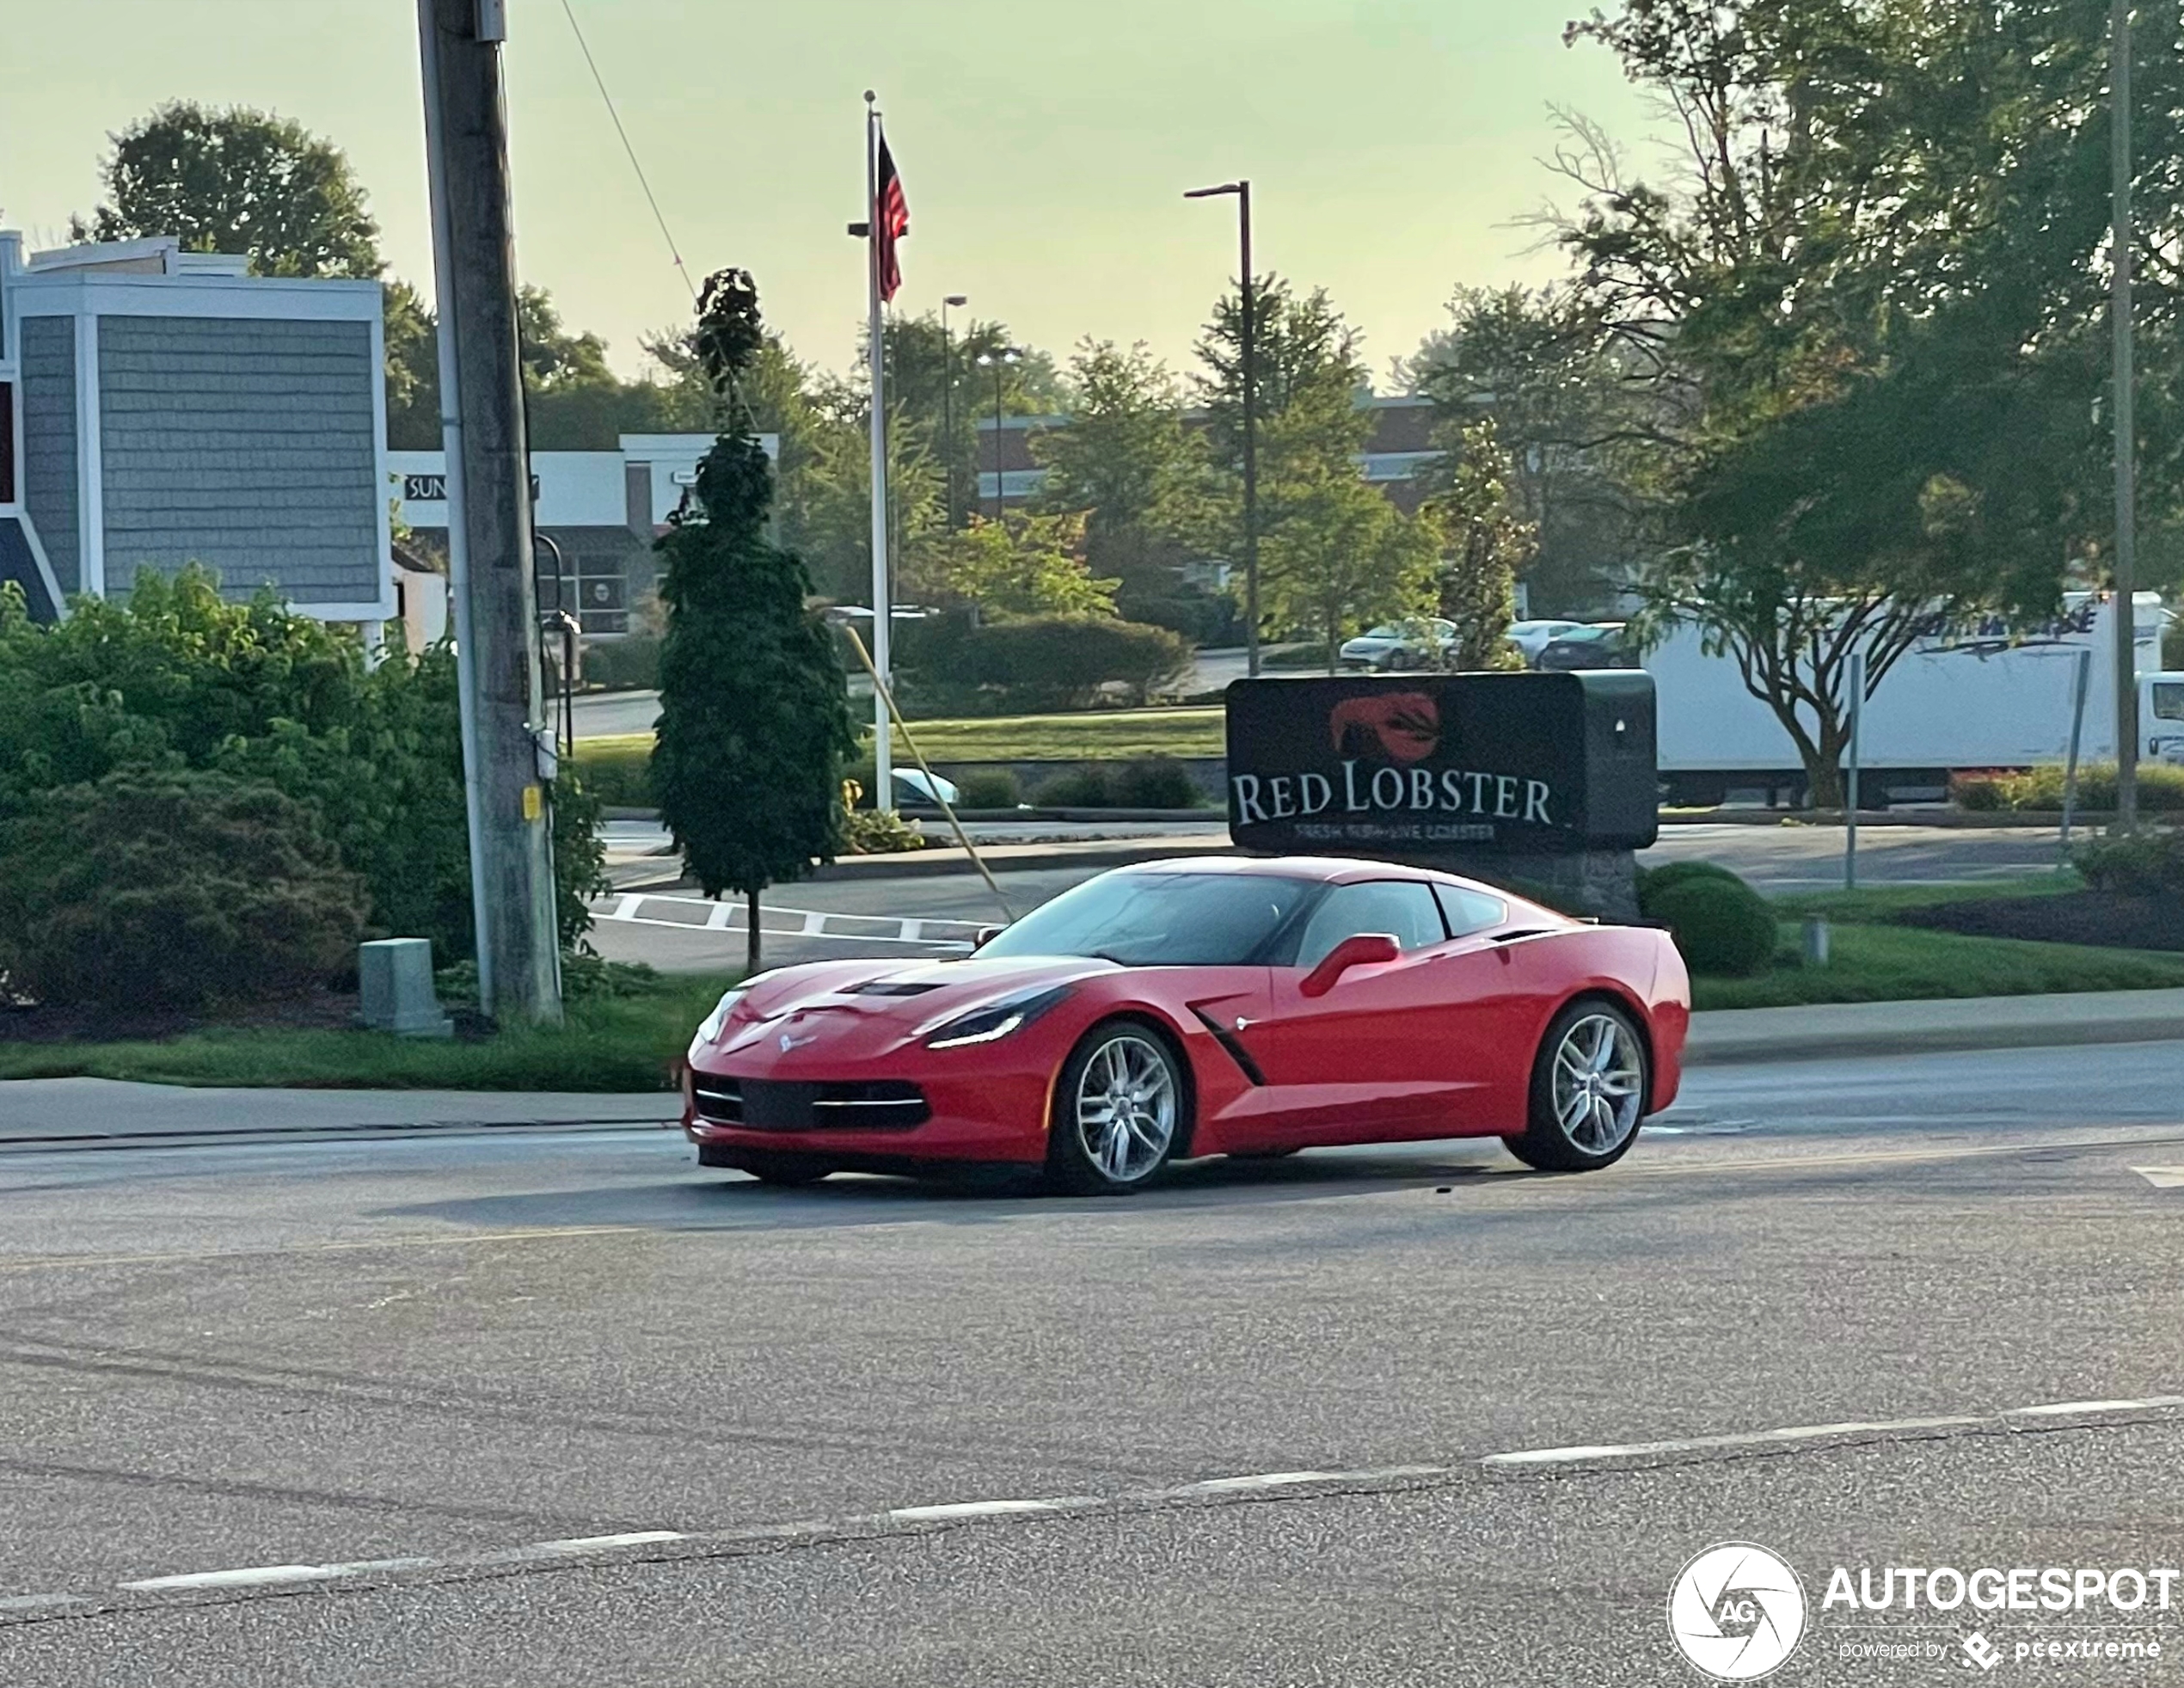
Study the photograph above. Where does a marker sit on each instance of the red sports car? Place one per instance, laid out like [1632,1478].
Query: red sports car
[1227,1006]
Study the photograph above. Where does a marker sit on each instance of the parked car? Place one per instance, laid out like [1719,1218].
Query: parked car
[1248,1006]
[1600,645]
[1531,637]
[1417,642]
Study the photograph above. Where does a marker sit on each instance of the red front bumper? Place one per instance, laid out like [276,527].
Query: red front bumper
[978,1112]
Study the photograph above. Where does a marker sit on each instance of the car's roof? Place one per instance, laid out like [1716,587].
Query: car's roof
[1331,869]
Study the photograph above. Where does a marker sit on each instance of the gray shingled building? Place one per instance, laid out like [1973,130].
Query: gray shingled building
[160,406]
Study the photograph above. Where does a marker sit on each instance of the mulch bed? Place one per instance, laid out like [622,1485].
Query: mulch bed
[2077,917]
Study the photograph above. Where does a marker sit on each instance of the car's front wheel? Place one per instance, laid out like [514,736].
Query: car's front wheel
[1119,1110]
[1589,1086]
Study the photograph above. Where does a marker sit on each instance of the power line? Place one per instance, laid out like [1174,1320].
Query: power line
[658,217]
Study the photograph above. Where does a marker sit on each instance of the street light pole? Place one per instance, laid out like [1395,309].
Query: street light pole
[948,407]
[2126,618]
[1248,328]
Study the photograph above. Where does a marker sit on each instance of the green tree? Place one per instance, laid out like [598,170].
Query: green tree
[1485,545]
[1031,564]
[754,718]
[232,178]
[1868,305]
[412,370]
[1334,553]
[1543,367]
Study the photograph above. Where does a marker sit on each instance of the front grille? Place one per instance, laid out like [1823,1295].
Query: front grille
[769,1104]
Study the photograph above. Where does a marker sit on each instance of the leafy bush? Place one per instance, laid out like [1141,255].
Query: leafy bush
[1154,783]
[175,677]
[2149,863]
[879,832]
[631,664]
[1653,882]
[2161,787]
[1722,926]
[947,666]
[172,889]
[988,789]
[1087,787]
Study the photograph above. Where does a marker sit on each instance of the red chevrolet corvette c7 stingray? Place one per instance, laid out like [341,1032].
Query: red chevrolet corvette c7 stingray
[1210,1006]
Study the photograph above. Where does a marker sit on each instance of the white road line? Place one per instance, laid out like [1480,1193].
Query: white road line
[2021,1418]
[988,1508]
[717,921]
[600,1544]
[1262,1479]
[961,946]
[2162,1177]
[2091,1409]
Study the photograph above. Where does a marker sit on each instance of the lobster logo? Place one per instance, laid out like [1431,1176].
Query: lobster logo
[1406,724]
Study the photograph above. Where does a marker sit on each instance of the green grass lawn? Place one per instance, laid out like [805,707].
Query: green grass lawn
[1093,734]
[612,1044]
[1882,963]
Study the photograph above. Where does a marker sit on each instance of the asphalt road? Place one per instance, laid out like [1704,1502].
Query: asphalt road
[428,1378]
[672,932]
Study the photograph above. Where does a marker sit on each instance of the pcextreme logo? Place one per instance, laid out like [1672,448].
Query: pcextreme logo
[1737,1611]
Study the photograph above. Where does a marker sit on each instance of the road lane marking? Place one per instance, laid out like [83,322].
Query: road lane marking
[248,1582]
[601,1543]
[2162,1177]
[628,908]
[988,1508]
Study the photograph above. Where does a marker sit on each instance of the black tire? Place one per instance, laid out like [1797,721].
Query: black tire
[1114,1058]
[768,1168]
[1590,1125]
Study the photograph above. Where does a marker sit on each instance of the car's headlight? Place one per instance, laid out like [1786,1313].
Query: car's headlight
[709,1030]
[997,1020]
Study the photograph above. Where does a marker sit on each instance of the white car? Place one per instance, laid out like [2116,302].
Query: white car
[1414,643]
[1531,637]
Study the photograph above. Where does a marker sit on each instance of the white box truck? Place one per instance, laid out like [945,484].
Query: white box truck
[1984,694]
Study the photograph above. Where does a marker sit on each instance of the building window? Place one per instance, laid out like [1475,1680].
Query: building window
[7,442]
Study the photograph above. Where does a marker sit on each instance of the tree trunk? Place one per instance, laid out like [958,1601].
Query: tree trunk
[750,913]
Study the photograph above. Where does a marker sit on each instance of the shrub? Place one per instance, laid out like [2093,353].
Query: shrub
[631,664]
[946,665]
[1653,882]
[1085,788]
[1722,926]
[174,677]
[174,889]
[2149,863]
[2161,787]
[879,832]
[988,789]
[1154,783]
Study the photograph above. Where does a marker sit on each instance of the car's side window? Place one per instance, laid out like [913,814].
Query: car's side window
[1405,908]
[1470,910]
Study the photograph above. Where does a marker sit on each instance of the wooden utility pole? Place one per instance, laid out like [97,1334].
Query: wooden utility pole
[489,512]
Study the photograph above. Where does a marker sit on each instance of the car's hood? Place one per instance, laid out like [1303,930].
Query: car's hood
[900,999]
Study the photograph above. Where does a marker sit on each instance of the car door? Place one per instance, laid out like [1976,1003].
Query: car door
[1364,1062]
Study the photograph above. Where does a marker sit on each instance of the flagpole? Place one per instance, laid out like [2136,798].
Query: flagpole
[882,600]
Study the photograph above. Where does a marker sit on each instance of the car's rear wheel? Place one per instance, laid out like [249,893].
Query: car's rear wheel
[1589,1085]
[769,1166]
[1120,1109]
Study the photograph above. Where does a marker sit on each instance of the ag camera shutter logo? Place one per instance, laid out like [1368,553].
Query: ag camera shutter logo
[1737,1611]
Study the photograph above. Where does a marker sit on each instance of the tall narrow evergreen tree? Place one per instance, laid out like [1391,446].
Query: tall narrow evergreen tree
[754,715]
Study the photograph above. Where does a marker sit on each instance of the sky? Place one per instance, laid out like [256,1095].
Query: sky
[1045,145]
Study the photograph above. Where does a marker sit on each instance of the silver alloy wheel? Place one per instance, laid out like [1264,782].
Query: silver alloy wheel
[1599,1084]
[1125,1106]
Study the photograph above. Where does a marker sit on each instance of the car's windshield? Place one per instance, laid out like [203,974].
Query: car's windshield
[1162,919]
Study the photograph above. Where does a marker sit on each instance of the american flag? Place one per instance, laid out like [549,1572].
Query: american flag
[890,223]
